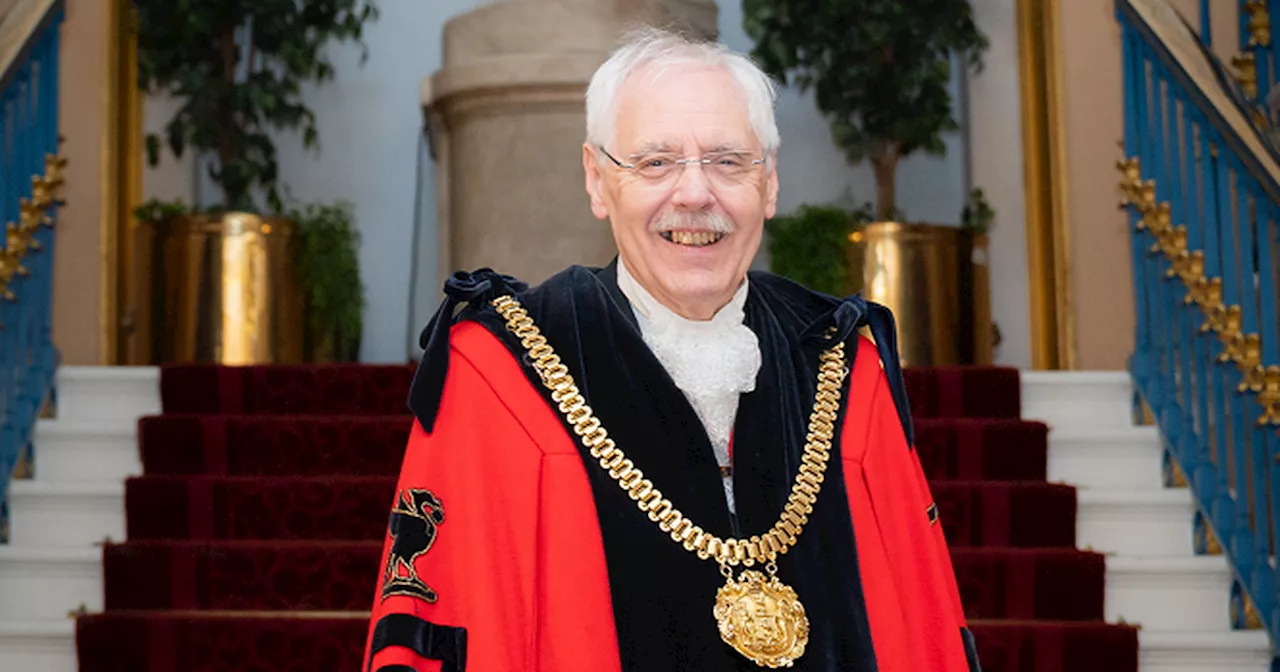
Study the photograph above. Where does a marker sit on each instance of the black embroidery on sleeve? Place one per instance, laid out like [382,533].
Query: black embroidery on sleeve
[414,520]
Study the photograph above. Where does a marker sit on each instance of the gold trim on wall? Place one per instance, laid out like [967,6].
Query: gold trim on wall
[121,174]
[1045,184]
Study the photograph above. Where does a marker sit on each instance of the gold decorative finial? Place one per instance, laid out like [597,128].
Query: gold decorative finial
[1246,73]
[1259,23]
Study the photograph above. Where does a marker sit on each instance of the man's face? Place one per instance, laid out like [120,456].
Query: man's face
[687,233]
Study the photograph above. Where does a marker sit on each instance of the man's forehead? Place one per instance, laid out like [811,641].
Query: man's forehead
[667,109]
[648,146]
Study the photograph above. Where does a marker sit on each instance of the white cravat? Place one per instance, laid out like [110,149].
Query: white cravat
[712,362]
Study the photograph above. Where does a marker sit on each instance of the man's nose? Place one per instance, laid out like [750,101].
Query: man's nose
[693,189]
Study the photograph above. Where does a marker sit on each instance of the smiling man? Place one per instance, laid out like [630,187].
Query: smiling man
[669,463]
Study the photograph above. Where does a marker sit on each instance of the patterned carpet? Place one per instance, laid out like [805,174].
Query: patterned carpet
[254,534]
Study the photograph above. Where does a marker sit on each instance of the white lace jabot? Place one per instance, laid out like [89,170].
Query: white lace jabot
[712,362]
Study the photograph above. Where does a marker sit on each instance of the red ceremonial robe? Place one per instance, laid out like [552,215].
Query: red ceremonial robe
[509,550]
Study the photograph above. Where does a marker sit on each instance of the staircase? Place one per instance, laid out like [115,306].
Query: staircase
[1128,511]
[238,536]
[51,568]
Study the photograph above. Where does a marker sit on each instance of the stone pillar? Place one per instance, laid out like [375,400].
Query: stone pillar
[507,119]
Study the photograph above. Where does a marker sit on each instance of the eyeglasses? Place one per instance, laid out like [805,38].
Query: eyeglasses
[726,169]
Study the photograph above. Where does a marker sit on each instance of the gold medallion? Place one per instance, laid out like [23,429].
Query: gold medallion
[762,619]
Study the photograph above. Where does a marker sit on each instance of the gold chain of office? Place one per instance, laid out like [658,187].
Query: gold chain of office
[760,617]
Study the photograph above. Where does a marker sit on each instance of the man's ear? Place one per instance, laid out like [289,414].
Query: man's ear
[771,191]
[595,182]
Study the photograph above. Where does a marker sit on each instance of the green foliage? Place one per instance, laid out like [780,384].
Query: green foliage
[978,214]
[238,67]
[157,210]
[328,268]
[878,69]
[812,246]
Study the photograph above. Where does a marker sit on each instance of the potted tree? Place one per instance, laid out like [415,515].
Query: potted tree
[879,71]
[238,280]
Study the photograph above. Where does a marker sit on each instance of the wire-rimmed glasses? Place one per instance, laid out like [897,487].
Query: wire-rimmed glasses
[723,168]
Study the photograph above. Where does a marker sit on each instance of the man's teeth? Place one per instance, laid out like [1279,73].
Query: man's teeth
[693,238]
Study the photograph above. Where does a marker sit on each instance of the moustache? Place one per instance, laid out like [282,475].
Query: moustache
[692,221]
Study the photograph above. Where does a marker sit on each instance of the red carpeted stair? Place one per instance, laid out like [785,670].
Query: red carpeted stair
[255,533]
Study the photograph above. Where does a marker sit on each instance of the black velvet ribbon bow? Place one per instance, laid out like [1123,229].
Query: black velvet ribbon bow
[853,313]
[461,289]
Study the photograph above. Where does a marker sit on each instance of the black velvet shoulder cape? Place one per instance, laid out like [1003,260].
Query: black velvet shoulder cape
[662,594]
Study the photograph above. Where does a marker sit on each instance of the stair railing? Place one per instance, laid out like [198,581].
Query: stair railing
[30,180]
[1202,188]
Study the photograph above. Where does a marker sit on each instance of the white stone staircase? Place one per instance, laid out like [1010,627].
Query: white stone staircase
[1154,579]
[53,563]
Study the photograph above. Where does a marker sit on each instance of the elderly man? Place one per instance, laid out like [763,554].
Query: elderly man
[669,463]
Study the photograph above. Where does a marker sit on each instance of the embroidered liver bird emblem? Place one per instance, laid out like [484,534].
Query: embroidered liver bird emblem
[414,519]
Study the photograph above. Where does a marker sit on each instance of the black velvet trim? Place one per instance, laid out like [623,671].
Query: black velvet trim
[662,594]
[433,642]
[461,289]
[970,650]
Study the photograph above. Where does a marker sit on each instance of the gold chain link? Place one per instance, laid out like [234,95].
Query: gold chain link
[758,549]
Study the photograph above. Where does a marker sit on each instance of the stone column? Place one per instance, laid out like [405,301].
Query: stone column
[507,120]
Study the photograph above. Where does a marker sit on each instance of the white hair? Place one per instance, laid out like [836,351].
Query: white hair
[650,46]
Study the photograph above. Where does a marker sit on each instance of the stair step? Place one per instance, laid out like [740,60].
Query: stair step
[257,507]
[244,575]
[981,449]
[1029,514]
[1065,399]
[1185,594]
[273,445]
[46,583]
[1125,458]
[1070,646]
[107,392]
[1140,523]
[1233,651]
[74,450]
[38,646]
[1058,584]
[75,515]
[206,641]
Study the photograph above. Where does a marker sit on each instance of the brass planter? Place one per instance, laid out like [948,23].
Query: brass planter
[935,280]
[216,289]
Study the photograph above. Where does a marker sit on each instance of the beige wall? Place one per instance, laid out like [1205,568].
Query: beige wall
[1100,272]
[997,168]
[77,303]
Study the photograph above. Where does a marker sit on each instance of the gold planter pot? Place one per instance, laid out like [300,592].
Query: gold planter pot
[935,280]
[217,289]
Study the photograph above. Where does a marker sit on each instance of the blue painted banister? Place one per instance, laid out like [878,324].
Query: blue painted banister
[1206,24]
[1202,191]
[30,179]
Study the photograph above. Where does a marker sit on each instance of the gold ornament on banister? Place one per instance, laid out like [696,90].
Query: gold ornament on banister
[1259,23]
[1250,365]
[1172,241]
[1231,336]
[1269,398]
[1177,253]
[1130,180]
[53,170]
[1216,314]
[1246,73]
[1192,269]
[1207,293]
[1158,221]
[20,240]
